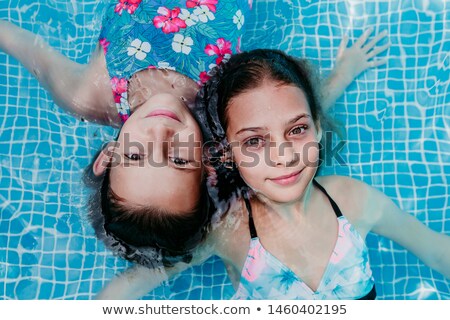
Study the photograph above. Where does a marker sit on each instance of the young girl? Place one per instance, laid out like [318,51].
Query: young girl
[143,78]
[292,235]
[153,58]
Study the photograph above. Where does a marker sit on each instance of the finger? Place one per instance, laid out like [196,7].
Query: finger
[342,47]
[375,40]
[361,40]
[377,50]
[377,63]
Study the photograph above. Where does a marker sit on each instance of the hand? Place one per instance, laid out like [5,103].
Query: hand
[350,62]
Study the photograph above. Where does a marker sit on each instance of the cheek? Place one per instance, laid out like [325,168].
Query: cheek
[253,174]
[197,133]
[247,175]
[248,158]
[311,154]
[197,148]
[192,140]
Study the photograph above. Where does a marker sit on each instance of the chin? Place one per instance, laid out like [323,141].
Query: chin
[283,197]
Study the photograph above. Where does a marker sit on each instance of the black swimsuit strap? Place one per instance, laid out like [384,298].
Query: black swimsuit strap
[336,209]
[251,224]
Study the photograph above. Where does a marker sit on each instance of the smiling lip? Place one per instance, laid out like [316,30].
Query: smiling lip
[163,113]
[287,179]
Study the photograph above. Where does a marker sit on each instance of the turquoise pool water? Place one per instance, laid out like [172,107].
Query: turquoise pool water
[397,119]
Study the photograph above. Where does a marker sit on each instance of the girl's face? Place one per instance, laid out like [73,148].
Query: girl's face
[274,140]
[157,159]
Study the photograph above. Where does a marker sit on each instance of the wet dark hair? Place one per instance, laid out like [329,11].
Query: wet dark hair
[146,235]
[243,72]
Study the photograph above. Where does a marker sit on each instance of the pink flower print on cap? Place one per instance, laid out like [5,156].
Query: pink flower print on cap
[129,5]
[104,43]
[204,77]
[222,50]
[168,20]
[211,4]
[119,86]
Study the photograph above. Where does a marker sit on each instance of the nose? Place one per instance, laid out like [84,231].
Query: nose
[282,153]
[159,136]
[159,131]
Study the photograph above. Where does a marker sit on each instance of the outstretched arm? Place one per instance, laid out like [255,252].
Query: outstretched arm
[80,89]
[351,62]
[432,247]
[136,282]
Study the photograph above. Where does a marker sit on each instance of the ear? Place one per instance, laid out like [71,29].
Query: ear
[102,161]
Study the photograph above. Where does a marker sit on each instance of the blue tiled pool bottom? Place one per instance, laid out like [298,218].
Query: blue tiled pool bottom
[397,121]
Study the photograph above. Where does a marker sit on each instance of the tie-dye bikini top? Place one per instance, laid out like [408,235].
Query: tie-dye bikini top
[347,275]
[188,36]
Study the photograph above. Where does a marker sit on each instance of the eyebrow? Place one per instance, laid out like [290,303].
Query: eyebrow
[300,116]
[291,121]
[184,170]
[132,163]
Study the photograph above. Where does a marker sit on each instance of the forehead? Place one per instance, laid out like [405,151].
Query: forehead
[270,101]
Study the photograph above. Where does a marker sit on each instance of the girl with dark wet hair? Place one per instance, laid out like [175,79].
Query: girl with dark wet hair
[289,234]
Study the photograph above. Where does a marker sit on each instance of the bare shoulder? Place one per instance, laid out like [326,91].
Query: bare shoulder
[352,197]
[341,187]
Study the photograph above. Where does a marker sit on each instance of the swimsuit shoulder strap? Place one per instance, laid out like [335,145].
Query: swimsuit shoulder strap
[336,209]
[251,224]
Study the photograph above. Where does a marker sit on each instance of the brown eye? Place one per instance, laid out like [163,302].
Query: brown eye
[298,130]
[254,142]
[134,156]
[179,161]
